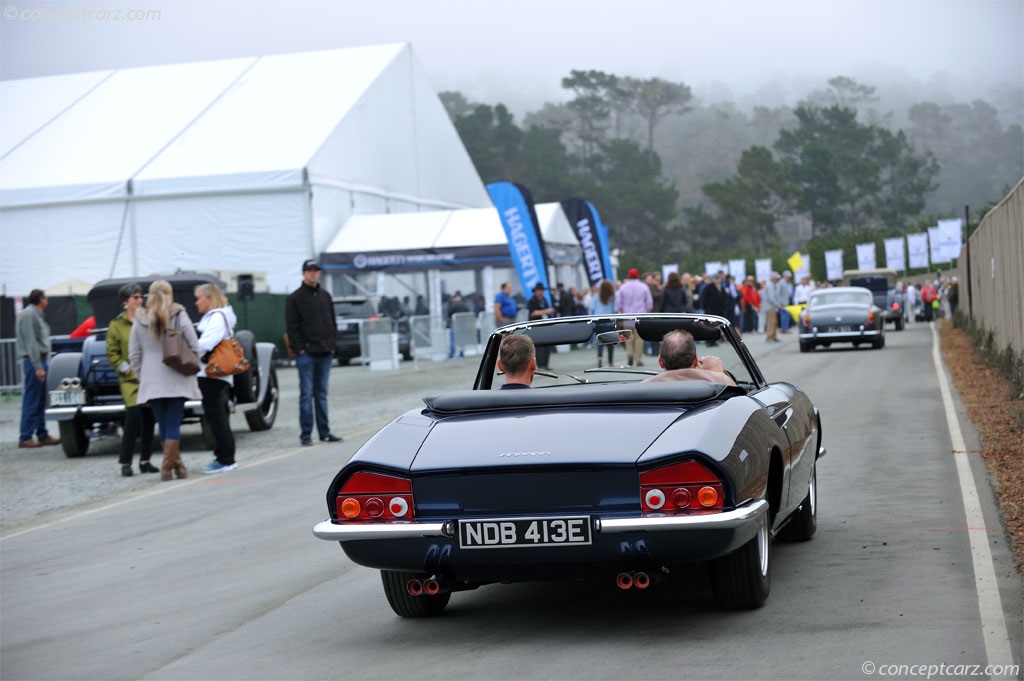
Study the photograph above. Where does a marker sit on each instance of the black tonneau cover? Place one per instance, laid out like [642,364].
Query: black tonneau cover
[619,394]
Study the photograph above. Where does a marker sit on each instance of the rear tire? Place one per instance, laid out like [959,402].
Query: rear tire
[805,346]
[879,343]
[406,605]
[804,522]
[74,437]
[263,417]
[743,579]
[899,323]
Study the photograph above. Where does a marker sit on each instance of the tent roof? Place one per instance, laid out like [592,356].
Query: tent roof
[237,124]
[441,229]
[70,287]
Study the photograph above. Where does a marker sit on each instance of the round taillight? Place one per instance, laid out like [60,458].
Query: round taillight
[654,498]
[350,508]
[707,496]
[681,497]
[374,507]
[398,507]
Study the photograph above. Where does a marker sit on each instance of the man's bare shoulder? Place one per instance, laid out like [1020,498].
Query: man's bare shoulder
[692,374]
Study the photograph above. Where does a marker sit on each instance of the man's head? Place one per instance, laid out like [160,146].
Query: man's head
[38,298]
[787,275]
[517,357]
[678,351]
[506,288]
[311,272]
[775,276]
[633,273]
[538,290]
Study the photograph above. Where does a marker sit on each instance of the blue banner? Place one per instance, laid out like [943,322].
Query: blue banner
[606,257]
[586,226]
[525,243]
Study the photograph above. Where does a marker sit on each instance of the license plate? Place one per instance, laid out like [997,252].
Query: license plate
[841,329]
[72,397]
[522,532]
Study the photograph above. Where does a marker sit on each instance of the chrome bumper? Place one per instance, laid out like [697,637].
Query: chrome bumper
[752,512]
[71,411]
[865,333]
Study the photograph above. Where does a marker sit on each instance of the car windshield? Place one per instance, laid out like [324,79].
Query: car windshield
[579,362]
[839,298]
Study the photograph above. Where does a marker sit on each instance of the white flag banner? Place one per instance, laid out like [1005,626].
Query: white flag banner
[805,268]
[834,264]
[668,269]
[713,267]
[917,249]
[738,270]
[763,269]
[866,256]
[949,238]
[935,246]
[894,256]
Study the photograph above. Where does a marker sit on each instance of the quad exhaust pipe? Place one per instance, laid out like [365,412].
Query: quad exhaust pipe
[630,580]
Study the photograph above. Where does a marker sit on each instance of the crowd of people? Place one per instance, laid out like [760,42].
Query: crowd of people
[154,394]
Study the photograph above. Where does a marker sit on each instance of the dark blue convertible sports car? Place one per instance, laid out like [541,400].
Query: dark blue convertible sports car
[594,473]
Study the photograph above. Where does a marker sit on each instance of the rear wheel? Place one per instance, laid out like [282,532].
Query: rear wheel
[805,346]
[406,605]
[804,522]
[74,437]
[899,323]
[743,579]
[263,417]
[878,343]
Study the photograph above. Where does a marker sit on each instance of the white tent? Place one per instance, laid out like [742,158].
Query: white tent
[239,164]
[456,239]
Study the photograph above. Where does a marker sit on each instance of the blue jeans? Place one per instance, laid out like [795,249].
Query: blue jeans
[314,372]
[33,403]
[168,412]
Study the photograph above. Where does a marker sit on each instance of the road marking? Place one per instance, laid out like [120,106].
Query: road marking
[990,607]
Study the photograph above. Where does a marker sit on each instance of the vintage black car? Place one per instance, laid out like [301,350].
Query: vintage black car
[846,314]
[83,387]
[591,474]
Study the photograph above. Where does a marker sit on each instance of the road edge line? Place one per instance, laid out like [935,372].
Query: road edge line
[990,606]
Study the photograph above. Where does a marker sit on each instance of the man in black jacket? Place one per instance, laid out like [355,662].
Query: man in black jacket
[312,334]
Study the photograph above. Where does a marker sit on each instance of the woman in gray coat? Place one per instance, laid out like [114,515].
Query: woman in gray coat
[163,388]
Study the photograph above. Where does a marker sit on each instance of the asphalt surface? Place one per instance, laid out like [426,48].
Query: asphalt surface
[218,577]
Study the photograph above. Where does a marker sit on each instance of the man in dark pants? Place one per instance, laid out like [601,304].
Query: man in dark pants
[33,347]
[539,308]
[312,333]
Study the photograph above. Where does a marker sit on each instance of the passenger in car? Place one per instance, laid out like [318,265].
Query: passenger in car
[517,357]
[678,357]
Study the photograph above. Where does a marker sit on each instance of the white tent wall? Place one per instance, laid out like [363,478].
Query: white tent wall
[43,246]
[247,232]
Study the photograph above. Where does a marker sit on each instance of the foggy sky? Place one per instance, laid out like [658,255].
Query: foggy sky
[519,51]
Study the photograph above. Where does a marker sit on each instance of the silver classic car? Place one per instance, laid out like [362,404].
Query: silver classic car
[592,473]
[846,314]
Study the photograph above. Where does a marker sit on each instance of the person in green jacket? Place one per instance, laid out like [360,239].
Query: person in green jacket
[138,420]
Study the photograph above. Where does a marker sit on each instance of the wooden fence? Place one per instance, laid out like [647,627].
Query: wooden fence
[994,274]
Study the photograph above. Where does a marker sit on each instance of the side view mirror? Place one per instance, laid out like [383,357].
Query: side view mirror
[613,337]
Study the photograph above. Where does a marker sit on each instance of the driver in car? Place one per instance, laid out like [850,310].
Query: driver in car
[678,357]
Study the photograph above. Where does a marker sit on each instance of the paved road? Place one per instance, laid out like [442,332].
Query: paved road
[220,578]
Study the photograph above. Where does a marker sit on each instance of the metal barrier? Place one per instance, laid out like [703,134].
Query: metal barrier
[11,378]
[428,338]
[466,334]
[378,340]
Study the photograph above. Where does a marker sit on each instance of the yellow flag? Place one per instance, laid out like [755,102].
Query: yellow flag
[795,310]
[796,261]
